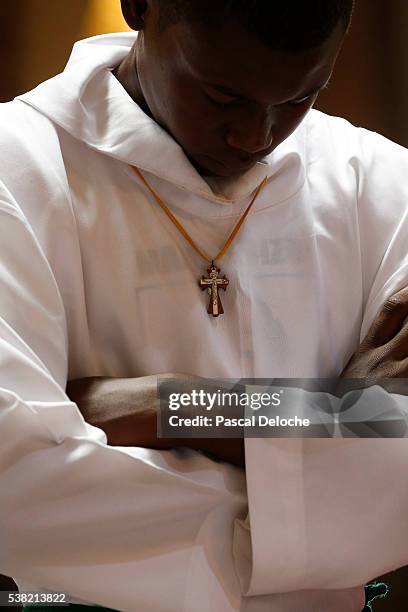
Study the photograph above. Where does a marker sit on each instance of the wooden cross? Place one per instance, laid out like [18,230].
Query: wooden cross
[213,283]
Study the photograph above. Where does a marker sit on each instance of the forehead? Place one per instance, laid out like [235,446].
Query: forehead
[235,59]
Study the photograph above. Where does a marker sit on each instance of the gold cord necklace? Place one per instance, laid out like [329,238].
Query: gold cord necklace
[215,280]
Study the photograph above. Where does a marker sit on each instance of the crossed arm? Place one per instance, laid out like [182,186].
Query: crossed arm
[125,408]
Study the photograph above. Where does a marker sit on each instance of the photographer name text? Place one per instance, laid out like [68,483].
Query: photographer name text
[255,420]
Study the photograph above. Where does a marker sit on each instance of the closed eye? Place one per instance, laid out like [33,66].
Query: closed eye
[222,99]
[308,97]
[301,100]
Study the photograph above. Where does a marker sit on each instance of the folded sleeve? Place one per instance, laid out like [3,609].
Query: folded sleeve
[120,527]
[323,513]
[332,513]
[382,205]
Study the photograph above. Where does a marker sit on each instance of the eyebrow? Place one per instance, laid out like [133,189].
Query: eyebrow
[230,92]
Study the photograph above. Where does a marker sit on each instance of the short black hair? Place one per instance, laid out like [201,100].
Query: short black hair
[287,25]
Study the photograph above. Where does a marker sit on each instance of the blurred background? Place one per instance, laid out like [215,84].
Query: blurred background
[370,88]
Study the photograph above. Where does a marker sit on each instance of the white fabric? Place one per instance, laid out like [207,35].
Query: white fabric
[95,281]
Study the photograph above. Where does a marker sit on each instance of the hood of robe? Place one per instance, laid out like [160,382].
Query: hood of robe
[88,101]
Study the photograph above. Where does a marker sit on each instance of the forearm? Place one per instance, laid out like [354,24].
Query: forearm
[126,410]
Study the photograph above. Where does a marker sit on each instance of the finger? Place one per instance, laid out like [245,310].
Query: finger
[389,321]
[403,373]
[397,347]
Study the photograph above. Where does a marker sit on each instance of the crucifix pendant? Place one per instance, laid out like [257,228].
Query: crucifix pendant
[213,283]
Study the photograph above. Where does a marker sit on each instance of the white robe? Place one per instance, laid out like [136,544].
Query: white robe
[95,281]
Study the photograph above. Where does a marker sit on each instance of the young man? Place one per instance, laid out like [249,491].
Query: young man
[98,283]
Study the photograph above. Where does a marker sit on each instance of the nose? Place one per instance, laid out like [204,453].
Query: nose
[252,134]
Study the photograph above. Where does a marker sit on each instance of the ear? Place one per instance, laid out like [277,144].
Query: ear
[133,12]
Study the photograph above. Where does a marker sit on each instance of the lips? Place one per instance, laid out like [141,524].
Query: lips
[242,162]
[236,165]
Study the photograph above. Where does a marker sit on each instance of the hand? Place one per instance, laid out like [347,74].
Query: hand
[384,351]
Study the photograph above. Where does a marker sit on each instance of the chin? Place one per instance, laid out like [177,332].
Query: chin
[230,173]
[212,168]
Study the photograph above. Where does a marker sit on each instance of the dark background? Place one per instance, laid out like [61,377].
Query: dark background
[369,88]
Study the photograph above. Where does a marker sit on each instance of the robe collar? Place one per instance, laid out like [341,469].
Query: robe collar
[89,103]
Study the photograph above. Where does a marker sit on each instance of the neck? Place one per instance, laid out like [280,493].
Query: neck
[128,77]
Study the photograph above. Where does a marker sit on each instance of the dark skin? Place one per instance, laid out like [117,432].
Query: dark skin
[175,76]
[126,408]
[229,101]
[383,354]
[225,97]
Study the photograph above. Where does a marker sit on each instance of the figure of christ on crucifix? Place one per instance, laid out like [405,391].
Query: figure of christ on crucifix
[213,283]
